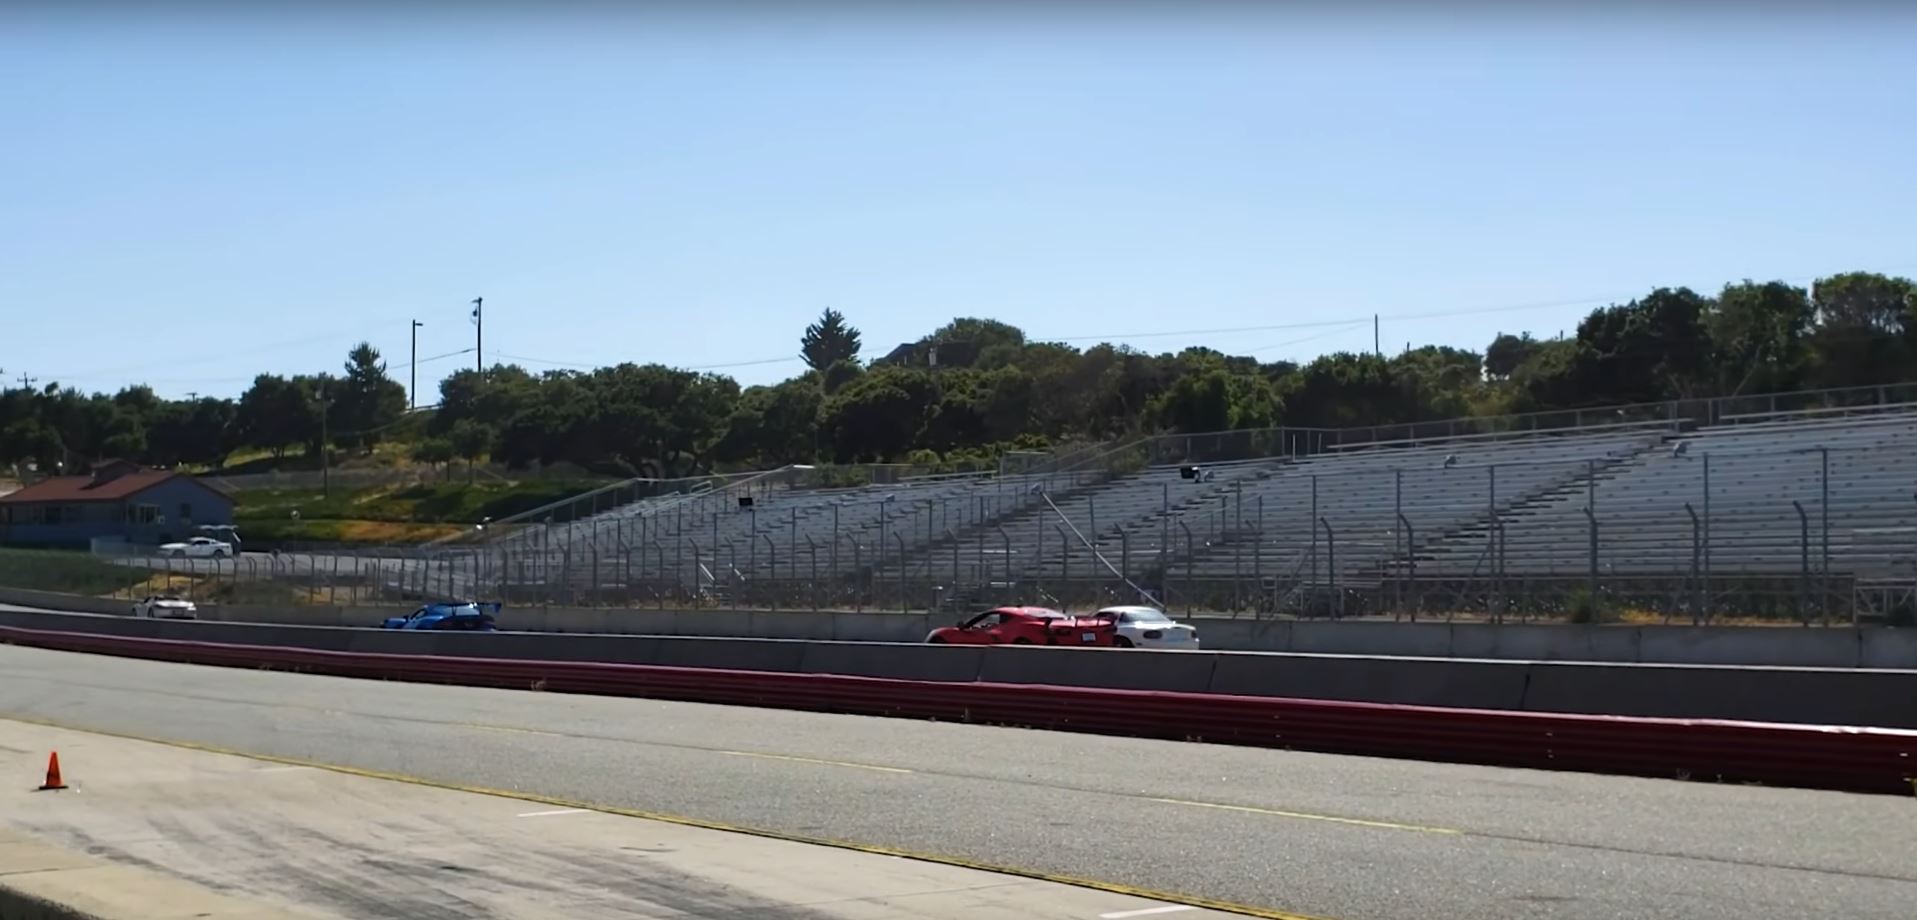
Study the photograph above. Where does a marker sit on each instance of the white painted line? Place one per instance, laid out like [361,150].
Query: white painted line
[1147,912]
[556,811]
[280,769]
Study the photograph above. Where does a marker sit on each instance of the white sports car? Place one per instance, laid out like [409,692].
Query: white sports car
[197,548]
[165,607]
[1149,627]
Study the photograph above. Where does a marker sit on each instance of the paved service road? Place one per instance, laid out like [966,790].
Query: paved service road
[328,845]
[1314,834]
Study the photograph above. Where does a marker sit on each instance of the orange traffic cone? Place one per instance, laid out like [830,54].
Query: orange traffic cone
[53,773]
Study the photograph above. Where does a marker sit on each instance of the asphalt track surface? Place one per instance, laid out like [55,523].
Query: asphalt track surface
[1283,833]
[255,839]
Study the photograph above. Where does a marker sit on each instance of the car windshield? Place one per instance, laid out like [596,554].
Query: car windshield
[1143,616]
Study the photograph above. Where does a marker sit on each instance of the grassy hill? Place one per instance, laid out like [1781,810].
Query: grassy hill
[385,514]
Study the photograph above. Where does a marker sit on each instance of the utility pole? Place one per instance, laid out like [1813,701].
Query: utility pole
[326,447]
[1375,347]
[479,335]
[27,382]
[412,391]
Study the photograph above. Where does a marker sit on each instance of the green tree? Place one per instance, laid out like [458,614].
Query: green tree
[367,402]
[837,375]
[1758,337]
[470,441]
[275,414]
[1507,353]
[775,425]
[1866,330]
[829,341]
[202,432]
[658,419]
[435,452]
[880,416]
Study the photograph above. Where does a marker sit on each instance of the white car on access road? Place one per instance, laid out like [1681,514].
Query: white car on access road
[166,607]
[1149,627]
[197,548]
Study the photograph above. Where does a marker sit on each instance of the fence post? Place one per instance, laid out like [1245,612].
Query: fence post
[772,566]
[1411,558]
[1190,555]
[1803,572]
[1038,566]
[1007,539]
[903,606]
[752,542]
[1706,612]
[698,565]
[1823,513]
[832,550]
[1592,589]
[1314,532]
[1124,556]
[660,590]
[812,557]
[1258,560]
[1491,548]
[983,574]
[1398,546]
[858,574]
[1091,554]
[592,575]
[1064,568]
[1331,568]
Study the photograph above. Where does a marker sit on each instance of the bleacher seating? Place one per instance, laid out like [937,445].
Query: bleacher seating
[1756,471]
[1331,517]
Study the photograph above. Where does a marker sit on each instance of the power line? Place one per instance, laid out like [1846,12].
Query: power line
[695,367]
[1313,337]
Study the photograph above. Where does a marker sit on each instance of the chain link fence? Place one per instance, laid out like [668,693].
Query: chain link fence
[1799,508]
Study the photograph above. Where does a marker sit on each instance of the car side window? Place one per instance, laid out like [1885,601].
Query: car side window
[985,621]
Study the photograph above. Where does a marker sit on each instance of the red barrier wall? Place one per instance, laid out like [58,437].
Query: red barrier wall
[1856,759]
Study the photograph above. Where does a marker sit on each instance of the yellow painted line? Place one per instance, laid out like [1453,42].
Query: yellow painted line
[508,729]
[1307,816]
[793,758]
[1168,897]
[814,760]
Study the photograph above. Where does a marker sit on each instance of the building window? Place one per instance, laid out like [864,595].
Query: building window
[142,514]
[186,511]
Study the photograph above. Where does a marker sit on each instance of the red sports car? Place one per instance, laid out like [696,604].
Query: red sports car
[1027,626]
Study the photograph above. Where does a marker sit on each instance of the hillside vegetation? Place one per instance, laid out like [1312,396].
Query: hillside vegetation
[971,390]
[267,518]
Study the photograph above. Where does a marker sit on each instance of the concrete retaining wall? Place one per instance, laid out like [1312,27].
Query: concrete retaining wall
[1842,696]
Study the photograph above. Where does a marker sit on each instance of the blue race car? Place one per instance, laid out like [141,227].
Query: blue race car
[467,616]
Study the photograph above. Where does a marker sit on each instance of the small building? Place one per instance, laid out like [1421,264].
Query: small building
[119,502]
[926,354]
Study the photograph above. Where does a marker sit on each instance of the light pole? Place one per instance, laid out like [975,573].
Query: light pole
[412,391]
[479,335]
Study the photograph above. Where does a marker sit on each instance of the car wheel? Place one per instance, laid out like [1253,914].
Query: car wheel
[1021,641]
[1121,642]
[935,640]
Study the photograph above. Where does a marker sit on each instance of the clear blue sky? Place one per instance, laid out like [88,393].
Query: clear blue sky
[192,198]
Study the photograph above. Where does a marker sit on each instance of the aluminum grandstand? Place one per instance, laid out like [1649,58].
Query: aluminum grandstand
[1802,509]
